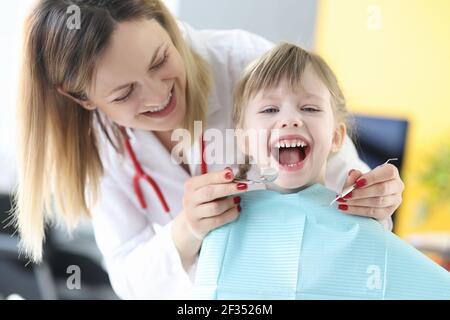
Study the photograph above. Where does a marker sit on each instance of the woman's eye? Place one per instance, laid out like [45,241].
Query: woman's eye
[126,96]
[160,63]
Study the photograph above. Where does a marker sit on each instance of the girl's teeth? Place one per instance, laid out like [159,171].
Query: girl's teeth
[290,144]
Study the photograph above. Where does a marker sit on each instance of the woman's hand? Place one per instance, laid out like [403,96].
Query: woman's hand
[378,193]
[207,204]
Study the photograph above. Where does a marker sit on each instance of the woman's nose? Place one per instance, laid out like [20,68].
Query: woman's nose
[155,93]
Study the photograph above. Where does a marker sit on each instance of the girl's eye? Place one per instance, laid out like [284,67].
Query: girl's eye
[270,110]
[126,96]
[310,109]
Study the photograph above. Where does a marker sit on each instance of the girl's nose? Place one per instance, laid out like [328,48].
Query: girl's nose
[292,123]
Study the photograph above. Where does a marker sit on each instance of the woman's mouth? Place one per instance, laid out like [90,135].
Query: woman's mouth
[166,108]
[291,152]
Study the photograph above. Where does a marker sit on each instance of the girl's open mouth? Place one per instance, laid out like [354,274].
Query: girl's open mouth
[291,152]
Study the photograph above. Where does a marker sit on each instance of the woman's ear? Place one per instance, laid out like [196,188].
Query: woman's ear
[339,135]
[84,103]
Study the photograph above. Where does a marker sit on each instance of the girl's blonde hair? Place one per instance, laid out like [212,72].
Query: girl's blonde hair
[58,146]
[285,61]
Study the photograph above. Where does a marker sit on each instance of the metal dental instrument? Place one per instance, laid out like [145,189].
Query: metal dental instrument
[352,187]
[267,175]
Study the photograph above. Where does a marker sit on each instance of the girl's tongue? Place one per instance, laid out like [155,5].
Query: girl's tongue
[289,156]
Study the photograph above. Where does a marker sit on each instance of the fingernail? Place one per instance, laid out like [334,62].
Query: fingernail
[348,195]
[242,186]
[236,200]
[343,207]
[239,208]
[361,183]
[341,200]
[229,175]
[350,172]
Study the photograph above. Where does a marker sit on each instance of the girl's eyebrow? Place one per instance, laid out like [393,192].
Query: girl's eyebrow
[312,96]
[309,96]
[271,96]
[268,96]
[152,61]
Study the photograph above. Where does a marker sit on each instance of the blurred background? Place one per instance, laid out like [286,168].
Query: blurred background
[392,59]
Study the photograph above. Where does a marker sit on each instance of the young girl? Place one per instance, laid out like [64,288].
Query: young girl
[294,96]
[98,107]
[291,244]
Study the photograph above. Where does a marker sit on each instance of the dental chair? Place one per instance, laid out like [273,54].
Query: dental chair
[17,276]
[48,279]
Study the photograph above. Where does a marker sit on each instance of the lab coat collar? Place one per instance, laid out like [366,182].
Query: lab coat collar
[145,143]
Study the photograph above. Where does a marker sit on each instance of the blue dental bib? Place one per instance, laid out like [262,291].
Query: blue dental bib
[295,246]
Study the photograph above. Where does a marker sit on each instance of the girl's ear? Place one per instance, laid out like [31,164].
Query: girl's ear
[338,137]
[85,104]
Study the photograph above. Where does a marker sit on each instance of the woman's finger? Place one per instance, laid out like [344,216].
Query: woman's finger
[353,175]
[216,207]
[391,187]
[212,223]
[212,192]
[218,177]
[376,202]
[372,212]
[380,174]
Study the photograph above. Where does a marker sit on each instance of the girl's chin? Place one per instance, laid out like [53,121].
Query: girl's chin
[283,185]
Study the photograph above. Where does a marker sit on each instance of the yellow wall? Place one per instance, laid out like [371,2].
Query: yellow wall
[393,59]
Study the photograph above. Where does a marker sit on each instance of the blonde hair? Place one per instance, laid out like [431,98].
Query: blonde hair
[285,61]
[58,147]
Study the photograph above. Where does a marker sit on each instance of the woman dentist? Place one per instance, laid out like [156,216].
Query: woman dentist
[98,107]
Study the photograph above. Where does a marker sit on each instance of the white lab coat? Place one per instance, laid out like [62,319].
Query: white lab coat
[136,243]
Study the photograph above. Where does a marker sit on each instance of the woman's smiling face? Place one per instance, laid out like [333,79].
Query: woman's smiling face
[301,130]
[140,80]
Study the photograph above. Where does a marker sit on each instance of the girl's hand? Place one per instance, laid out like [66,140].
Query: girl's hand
[210,201]
[378,193]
